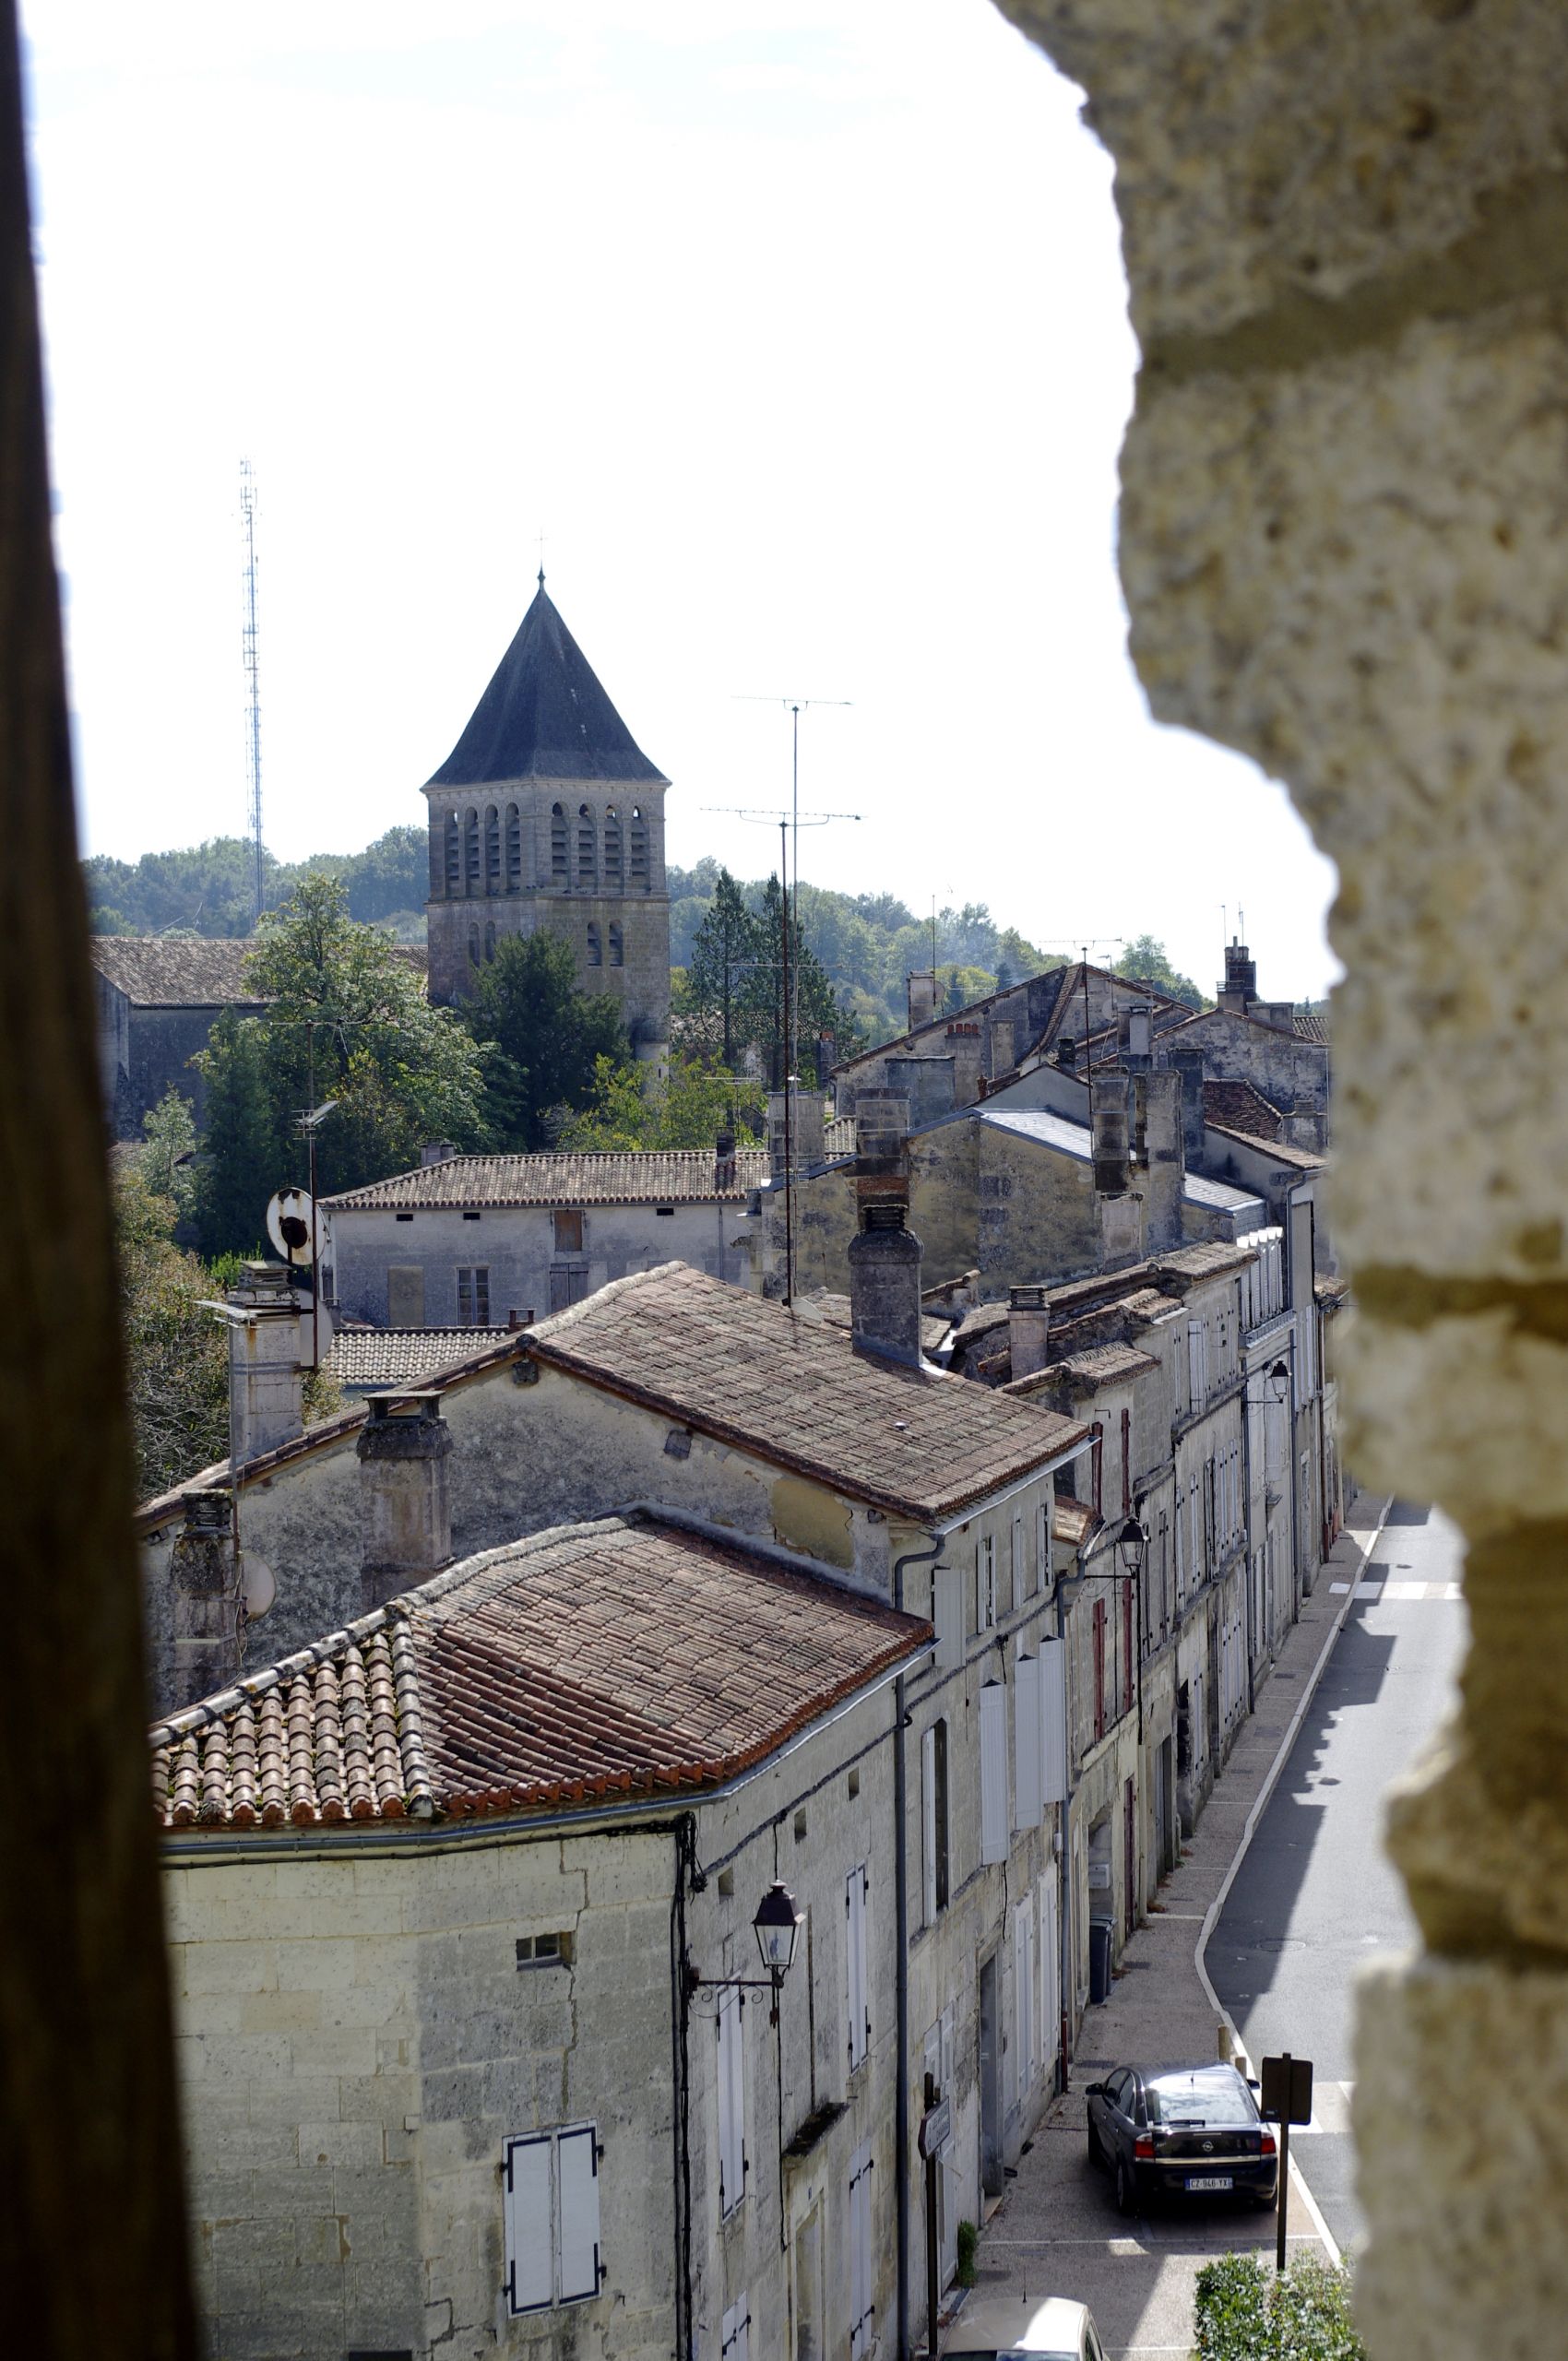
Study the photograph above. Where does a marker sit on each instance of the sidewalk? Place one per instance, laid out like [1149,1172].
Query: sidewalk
[1056,2232]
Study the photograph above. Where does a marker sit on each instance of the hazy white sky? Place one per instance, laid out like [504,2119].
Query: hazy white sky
[796,325]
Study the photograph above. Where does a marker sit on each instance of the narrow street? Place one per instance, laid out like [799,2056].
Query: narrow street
[1314,1895]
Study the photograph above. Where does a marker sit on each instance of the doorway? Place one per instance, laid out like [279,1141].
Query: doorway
[992,2176]
[808,2287]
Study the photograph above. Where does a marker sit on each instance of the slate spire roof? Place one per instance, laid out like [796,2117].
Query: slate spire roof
[544,716]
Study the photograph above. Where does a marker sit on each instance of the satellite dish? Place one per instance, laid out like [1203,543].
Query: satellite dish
[288,1224]
[257,1588]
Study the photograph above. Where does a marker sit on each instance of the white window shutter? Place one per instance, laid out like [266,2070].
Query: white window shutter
[928,1824]
[1020,1587]
[862,2273]
[576,2169]
[947,1614]
[1050,2007]
[858,1995]
[1027,1798]
[735,2330]
[993,1771]
[1052,1675]
[531,2245]
[732,2105]
[1026,2001]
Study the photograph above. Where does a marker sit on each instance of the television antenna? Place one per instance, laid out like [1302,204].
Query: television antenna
[253,681]
[795,706]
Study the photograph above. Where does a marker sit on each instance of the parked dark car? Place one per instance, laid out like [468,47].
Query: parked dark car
[1181,2131]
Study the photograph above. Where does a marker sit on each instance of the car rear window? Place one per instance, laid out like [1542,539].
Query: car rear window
[1007,2352]
[1221,2100]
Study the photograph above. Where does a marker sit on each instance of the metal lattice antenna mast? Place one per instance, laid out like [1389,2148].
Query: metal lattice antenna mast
[253,678]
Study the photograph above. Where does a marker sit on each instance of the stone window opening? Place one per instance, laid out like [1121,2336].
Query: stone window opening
[470,852]
[490,940]
[473,1294]
[454,855]
[613,869]
[558,875]
[568,1231]
[617,947]
[473,946]
[639,876]
[492,850]
[588,848]
[595,949]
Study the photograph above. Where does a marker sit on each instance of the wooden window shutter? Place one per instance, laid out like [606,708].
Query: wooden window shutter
[993,1771]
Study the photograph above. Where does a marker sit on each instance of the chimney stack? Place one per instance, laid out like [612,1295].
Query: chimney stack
[1240,983]
[724,1165]
[923,997]
[1028,1328]
[1108,1122]
[1304,1127]
[885,1284]
[204,1571]
[405,1507]
[1189,1065]
[807,1130]
[266,1379]
[1137,1036]
[435,1152]
[1158,1098]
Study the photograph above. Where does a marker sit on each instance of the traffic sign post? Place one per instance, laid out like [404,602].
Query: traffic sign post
[1286,2096]
[935,2126]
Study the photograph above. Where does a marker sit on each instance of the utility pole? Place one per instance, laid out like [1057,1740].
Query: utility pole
[253,681]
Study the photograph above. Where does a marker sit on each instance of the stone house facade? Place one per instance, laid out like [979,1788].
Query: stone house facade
[156,1001]
[547,813]
[503,1241]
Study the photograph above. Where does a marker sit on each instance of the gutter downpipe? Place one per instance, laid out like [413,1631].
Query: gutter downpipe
[1065,1872]
[901,1891]
[1247,1492]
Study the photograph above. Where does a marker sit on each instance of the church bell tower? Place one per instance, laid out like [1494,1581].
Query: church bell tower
[546,813]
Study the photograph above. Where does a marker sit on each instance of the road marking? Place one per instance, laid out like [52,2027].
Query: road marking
[1407,1592]
[1331,2110]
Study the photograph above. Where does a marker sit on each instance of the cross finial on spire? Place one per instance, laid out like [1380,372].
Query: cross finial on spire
[541,557]
[541,577]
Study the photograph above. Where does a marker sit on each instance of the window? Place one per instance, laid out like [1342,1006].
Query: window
[985,1584]
[1052,1678]
[491,850]
[454,862]
[732,2101]
[558,847]
[933,1815]
[617,947]
[1042,1545]
[544,1950]
[549,2195]
[862,2249]
[514,849]
[857,1917]
[568,1233]
[1099,1667]
[473,1295]
[734,2331]
[947,1614]
[639,872]
[490,940]
[595,950]
[588,848]
[1020,1586]
[470,852]
[1028,1801]
[613,872]
[473,946]
[993,1771]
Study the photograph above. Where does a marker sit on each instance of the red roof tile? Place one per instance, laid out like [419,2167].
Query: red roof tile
[914,1443]
[629,1656]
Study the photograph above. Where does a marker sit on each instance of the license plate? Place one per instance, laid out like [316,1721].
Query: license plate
[1209,2180]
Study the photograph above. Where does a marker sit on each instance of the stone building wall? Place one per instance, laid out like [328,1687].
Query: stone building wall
[1342,544]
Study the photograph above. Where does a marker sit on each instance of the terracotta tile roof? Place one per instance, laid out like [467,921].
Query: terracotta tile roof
[1304,1159]
[1073,1521]
[749,1372]
[838,1136]
[1242,1106]
[1106,1364]
[1207,1261]
[153,972]
[1309,1025]
[629,1656]
[623,1177]
[382,1357]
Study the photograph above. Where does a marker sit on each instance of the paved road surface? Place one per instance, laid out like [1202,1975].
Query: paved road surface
[1314,1895]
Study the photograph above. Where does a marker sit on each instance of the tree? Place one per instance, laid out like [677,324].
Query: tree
[725,949]
[631,1107]
[816,1010]
[177,1353]
[346,1019]
[1146,961]
[542,1038]
[167,1159]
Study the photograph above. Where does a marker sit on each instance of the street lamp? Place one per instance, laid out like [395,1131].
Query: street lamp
[777,1928]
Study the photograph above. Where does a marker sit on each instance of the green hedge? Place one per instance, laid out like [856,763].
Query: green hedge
[1247,2313]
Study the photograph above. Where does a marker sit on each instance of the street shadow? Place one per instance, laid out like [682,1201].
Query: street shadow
[1406,1513]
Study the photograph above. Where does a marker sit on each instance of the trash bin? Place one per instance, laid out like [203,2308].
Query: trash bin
[1102,1933]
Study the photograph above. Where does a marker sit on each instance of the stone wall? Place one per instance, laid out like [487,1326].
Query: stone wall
[1342,545]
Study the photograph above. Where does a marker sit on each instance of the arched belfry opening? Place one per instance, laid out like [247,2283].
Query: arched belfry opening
[547,804]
